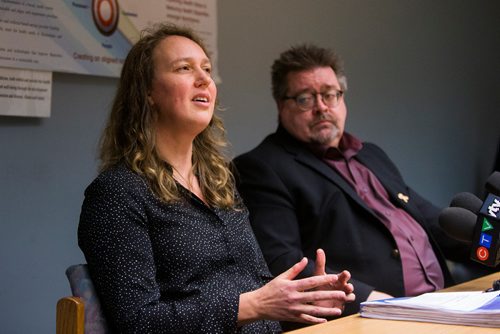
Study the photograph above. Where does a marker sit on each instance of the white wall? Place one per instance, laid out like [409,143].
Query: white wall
[424,78]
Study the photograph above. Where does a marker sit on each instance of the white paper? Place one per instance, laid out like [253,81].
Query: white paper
[457,301]
[473,308]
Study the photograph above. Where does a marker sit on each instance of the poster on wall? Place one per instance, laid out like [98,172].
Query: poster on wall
[25,92]
[91,36]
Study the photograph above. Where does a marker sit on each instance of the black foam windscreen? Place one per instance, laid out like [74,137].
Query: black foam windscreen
[467,201]
[493,184]
[458,223]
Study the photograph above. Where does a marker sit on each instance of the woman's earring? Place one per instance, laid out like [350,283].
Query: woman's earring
[150,101]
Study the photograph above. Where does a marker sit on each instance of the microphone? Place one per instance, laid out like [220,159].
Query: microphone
[467,201]
[478,223]
[459,220]
[493,184]
[458,223]
[485,244]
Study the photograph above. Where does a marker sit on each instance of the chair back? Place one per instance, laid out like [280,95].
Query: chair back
[70,318]
[83,289]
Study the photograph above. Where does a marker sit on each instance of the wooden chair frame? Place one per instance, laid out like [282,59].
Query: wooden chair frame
[70,316]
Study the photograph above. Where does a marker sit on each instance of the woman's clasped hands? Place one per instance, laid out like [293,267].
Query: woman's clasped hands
[308,300]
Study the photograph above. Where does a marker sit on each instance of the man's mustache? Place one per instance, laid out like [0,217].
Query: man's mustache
[324,117]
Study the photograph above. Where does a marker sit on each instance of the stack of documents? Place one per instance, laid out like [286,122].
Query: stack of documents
[474,308]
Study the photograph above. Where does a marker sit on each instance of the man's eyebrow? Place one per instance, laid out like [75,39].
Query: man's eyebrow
[323,88]
[331,87]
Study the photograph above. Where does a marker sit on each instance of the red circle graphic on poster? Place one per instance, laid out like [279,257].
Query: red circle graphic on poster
[105,14]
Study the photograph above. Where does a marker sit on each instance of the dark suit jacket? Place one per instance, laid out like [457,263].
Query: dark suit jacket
[298,203]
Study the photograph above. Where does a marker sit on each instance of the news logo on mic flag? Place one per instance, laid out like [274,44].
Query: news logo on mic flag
[485,244]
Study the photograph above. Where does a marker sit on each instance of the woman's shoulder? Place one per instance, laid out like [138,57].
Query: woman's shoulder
[116,180]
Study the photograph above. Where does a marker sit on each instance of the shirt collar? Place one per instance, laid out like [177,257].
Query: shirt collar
[349,146]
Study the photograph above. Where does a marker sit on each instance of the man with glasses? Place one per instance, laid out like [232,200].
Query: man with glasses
[311,185]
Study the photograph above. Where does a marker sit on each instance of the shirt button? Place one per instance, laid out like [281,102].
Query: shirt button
[395,253]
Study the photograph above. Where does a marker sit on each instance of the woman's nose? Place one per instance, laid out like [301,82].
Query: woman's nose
[203,77]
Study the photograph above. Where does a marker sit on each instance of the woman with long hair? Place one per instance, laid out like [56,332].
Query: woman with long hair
[166,237]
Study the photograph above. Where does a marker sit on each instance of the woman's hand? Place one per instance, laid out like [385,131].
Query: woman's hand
[286,299]
[341,284]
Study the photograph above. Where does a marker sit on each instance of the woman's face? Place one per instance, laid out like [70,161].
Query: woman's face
[182,90]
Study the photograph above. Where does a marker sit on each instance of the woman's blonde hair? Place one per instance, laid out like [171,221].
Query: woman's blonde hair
[129,136]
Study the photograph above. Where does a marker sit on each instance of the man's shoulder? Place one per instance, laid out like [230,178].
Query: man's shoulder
[376,159]
[272,149]
[272,158]
[371,147]
[373,151]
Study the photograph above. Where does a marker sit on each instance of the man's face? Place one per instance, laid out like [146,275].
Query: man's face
[320,125]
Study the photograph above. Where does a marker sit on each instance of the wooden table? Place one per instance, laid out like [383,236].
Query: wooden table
[355,324]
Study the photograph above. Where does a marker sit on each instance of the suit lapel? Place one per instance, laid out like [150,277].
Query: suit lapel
[305,157]
[397,191]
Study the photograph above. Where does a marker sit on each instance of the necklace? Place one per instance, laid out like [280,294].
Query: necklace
[194,189]
[186,183]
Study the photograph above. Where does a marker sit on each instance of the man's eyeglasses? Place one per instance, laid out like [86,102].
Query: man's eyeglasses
[305,101]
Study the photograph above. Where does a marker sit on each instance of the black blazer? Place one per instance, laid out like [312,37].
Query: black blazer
[298,203]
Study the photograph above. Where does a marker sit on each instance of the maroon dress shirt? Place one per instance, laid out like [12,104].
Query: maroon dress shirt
[421,270]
